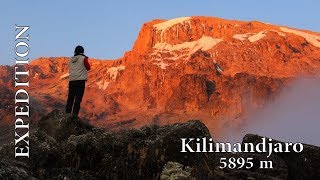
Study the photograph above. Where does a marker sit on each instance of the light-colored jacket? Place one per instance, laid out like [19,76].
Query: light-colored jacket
[77,68]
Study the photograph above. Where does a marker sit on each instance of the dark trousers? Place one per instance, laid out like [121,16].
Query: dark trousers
[76,91]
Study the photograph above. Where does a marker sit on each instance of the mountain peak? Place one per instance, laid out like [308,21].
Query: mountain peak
[166,42]
[187,29]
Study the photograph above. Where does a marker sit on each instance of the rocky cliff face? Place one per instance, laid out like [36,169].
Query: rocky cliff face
[186,68]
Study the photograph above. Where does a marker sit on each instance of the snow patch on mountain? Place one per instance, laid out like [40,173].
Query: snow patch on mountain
[161,64]
[167,24]
[164,26]
[164,53]
[204,43]
[102,84]
[113,71]
[252,37]
[241,37]
[64,76]
[257,36]
[310,38]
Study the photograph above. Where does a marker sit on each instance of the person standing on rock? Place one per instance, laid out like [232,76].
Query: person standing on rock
[78,75]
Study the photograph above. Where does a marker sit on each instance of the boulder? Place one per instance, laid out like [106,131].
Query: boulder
[60,126]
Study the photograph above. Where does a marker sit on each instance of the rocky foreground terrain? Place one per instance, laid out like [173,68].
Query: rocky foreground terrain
[63,147]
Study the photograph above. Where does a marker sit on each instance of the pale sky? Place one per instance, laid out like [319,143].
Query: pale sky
[109,28]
